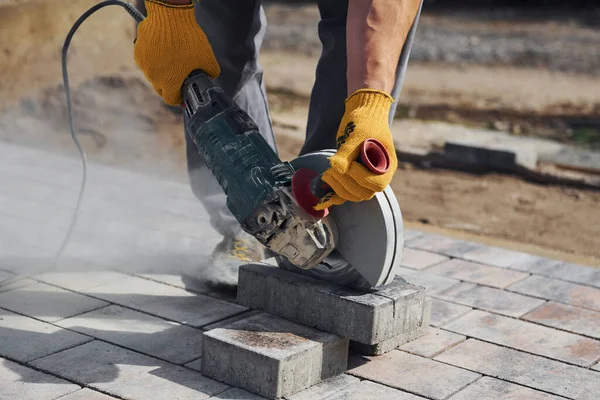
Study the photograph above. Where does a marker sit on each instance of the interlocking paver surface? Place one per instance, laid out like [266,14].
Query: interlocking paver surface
[127,305]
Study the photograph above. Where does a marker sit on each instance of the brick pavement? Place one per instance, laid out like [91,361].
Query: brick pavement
[123,316]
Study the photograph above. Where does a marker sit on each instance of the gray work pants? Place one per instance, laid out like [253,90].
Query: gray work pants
[235,30]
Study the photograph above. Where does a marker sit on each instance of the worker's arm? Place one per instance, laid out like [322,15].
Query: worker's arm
[375,34]
[170,44]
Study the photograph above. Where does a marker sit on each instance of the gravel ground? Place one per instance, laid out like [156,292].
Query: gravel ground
[566,42]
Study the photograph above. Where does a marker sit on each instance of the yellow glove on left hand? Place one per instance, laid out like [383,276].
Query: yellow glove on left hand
[366,117]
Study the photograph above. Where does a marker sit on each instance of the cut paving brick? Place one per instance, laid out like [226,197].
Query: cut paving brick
[419,259]
[559,291]
[575,273]
[141,332]
[524,369]
[166,301]
[490,388]
[496,256]
[80,280]
[18,382]
[568,318]
[367,390]
[431,282]
[414,374]
[432,343]
[127,374]
[489,299]
[368,318]
[272,357]
[477,273]
[87,394]
[443,312]
[443,245]
[326,389]
[528,337]
[48,303]
[25,339]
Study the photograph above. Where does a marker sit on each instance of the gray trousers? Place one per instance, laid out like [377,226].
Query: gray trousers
[236,30]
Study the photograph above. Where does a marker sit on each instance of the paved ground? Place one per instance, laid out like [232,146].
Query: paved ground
[123,315]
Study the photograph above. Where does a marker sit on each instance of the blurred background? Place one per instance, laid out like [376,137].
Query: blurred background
[498,124]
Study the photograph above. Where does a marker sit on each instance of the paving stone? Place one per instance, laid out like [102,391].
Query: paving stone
[528,337]
[496,256]
[490,299]
[443,312]
[368,318]
[142,332]
[419,259]
[575,273]
[165,301]
[559,291]
[367,390]
[25,339]
[18,382]
[48,303]
[127,374]
[432,343]
[596,367]
[87,394]
[237,394]
[477,273]
[568,318]
[80,280]
[228,321]
[272,357]
[16,283]
[443,245]
[490,388]
[430,282]
[326,388]
[410,234]
[524,369]
[5,275]
[414,374]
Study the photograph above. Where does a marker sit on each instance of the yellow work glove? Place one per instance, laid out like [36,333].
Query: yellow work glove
[170,44]
[366,117]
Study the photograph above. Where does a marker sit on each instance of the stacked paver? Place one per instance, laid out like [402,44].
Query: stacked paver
[124,317]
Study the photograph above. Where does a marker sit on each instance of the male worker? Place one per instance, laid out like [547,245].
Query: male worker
[366,44]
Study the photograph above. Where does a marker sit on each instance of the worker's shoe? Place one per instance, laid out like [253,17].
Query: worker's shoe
[229,255]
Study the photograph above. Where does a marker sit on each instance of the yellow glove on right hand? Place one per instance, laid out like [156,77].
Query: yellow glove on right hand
[170,44]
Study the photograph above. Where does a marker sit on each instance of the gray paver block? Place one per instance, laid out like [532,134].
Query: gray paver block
[141,332]
[419,259]
[596,367]
[524,369]
[16,283]
[529,337]
[237,394]
[80,280]
[272,357]
[496,156]
[568,318]
[414,374]
[477,273]
[411,234]
[166,301]
[490,299]
[490,388]
[25,339]
[228,321]
[367,318]
[443,245]
[433,342]
[48,303]
[561,270]
[559,291]
[367,390]
[326,388]
[496,256]
[443,312]
[5,275]
[18,382]
[127,374]
[431,282]
[87,394]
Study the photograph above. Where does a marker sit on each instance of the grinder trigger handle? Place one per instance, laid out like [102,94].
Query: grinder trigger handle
[308,187]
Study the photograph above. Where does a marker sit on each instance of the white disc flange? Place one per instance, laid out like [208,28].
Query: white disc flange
[370,236]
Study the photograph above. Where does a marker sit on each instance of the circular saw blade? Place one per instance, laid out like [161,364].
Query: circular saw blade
[370,236]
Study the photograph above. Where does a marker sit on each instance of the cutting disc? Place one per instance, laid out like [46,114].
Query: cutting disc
[370,236]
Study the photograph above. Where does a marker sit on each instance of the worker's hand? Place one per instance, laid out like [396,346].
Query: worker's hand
[366,116]
[170,44]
